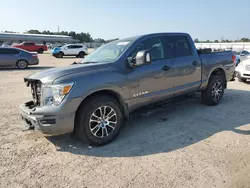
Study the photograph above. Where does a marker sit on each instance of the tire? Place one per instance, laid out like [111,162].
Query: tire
[81,54]
[215,90]
[85,120]
[60,55]
[22,64]
[40,51]
[242,79]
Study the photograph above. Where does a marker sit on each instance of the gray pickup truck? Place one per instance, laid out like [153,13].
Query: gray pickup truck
[94,97]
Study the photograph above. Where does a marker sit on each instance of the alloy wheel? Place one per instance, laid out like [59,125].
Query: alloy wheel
[103,121]
[217,91]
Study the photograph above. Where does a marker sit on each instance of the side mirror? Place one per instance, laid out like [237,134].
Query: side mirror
[142,57]
[65,48]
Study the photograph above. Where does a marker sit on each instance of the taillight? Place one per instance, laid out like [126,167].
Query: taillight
[234,58]
[34,55]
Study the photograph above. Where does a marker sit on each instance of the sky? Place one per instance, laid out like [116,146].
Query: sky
[108,19]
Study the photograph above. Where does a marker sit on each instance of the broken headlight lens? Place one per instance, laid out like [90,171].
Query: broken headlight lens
[54,94]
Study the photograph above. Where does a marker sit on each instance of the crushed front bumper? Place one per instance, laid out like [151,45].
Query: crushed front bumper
[47,122]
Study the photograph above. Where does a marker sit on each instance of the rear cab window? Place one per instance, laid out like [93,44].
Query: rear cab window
[176,46]
[28,44]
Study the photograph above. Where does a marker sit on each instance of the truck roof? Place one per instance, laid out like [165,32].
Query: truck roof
[153,34]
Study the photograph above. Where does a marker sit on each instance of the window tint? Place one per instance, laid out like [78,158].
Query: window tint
[78,46]
[245,52]
[28,44]
[176,46]
[5,51]
[152,44]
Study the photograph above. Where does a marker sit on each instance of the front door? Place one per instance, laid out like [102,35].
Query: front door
[148,82]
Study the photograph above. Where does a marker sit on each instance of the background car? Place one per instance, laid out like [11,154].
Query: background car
[19,58]
[31,47]
[243,70]
[78,50]
[242,55]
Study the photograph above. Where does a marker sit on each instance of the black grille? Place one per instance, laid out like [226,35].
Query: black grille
[36,92]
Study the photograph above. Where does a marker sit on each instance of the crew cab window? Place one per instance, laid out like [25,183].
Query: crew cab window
[28,44]
[152,44]
[176,46]
[6,51]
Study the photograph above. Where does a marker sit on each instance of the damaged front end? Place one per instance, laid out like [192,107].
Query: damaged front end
[36,93]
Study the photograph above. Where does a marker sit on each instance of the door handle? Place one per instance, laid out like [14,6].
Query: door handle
[195,63]
[166,68]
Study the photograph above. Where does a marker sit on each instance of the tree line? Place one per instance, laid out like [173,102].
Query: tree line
[86,37]
[222,40]
[81,37]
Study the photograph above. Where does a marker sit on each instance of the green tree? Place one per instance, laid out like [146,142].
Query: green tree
[196,40]
[34,31]
[216,41]
[245,40]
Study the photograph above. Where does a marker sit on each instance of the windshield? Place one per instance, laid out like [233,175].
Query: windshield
[108,53]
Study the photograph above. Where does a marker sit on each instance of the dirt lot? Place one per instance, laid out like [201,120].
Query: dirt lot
[178,145]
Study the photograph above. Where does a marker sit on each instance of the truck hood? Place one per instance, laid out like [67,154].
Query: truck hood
[50,75]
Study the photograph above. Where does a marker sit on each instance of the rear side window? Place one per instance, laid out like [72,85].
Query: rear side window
[176,46]
[7,51]
[78,46]
[245,52]
[28,44]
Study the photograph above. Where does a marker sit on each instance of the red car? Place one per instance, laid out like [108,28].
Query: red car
[32,47]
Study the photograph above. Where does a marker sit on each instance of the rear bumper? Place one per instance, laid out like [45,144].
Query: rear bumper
[34,62]
[49,120]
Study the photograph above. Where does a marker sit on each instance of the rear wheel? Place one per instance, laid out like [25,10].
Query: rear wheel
[81,54]
[40,51]
[22,64]
[215,90]
[99,120]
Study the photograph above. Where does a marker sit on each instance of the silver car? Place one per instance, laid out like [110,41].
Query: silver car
[14,57]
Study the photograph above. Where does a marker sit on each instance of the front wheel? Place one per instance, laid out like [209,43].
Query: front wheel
[99,120]
[60,55]
[215,90]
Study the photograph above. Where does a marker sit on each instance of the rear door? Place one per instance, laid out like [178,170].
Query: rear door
[77,49]
[186,66]
[29,46]
[8,56]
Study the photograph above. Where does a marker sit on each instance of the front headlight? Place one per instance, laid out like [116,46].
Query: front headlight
[54,94]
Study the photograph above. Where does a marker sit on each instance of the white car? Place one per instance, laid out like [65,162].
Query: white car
[243,70]
[78,50]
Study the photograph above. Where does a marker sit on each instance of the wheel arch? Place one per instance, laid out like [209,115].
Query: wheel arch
[106,92]
[219,71]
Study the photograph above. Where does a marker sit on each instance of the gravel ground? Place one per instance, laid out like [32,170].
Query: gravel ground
[183,144]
